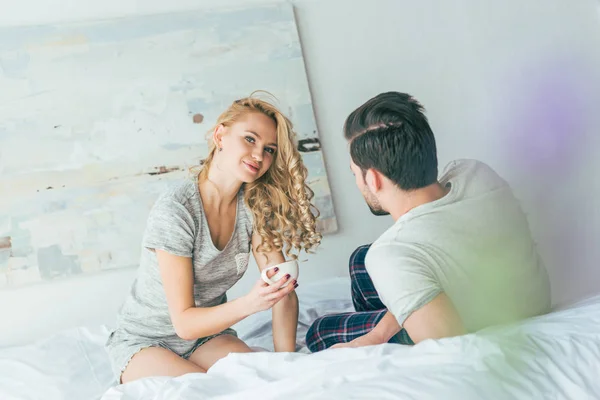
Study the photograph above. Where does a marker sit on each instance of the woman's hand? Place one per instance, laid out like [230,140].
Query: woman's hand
[264,296]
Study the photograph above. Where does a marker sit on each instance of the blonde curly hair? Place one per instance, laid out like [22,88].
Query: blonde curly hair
[280,200]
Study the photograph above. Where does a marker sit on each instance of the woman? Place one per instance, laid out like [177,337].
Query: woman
[250,193]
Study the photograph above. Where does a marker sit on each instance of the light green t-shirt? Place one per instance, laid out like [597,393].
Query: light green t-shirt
[474,244]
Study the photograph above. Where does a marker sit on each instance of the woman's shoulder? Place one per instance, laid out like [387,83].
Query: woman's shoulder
[182,191]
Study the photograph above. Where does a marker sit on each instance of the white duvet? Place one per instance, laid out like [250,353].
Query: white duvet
[556,356]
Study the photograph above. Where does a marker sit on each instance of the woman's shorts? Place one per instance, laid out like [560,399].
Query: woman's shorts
[122,346]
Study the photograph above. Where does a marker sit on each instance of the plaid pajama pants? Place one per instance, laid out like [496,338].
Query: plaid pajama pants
[341,328]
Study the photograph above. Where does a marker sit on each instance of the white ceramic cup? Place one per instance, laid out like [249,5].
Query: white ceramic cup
[288,267]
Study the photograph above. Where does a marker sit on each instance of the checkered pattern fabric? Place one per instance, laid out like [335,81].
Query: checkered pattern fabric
[341,328]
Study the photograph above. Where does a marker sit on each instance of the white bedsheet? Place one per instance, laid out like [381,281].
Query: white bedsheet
[556,356]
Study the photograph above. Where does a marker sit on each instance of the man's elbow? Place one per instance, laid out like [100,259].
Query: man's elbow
[436,320]
[418,335]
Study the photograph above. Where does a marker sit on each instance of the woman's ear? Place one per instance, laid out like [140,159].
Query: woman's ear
[218,136]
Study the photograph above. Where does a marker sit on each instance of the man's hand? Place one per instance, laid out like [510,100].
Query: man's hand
[366,340]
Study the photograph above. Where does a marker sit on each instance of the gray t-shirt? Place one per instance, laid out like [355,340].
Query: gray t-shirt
[177,225]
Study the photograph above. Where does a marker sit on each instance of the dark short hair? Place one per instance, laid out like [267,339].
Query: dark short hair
[391,134]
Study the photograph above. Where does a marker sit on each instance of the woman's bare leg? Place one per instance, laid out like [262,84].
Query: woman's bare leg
[156,361]
[216,348]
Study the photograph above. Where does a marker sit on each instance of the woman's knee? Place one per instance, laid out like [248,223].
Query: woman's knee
[216,348]
[156,361]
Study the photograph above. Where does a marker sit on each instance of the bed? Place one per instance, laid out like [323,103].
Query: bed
[556,356]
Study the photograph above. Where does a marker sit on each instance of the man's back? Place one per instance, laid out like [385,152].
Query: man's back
[474,244]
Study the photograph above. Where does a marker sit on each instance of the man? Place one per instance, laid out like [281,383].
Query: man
[459,257]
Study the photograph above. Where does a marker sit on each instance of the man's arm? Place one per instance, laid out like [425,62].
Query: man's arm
[412,295]
[382,333]
[436,319]
[386,328]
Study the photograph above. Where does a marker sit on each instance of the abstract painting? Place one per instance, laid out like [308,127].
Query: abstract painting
[97,118]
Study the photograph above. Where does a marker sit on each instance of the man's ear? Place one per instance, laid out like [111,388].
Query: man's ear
[374,180]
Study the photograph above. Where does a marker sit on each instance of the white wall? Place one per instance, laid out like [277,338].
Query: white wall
[474,65]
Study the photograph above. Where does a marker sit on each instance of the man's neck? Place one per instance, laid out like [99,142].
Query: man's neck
[415,198]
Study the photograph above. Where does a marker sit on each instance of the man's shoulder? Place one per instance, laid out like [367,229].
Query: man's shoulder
[391,246]
[469,167]
[475,175]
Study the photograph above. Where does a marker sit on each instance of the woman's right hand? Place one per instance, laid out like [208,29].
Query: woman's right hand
[264,296]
